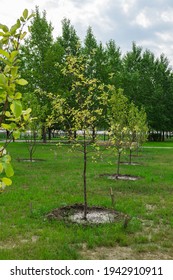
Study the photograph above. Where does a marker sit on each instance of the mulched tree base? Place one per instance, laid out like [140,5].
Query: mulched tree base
[130,163]
[28,160]
[95,215]
[126,177]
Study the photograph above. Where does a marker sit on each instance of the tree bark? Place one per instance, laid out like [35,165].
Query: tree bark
[130,157]
[49,133]
[93,135]
[75,134]
[118,163]
[84,177]
[30,152]
[44,134]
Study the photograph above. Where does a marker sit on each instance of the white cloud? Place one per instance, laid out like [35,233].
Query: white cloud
[167,16]
[81,14]
[148,22]
[165,36]
[143,20]
[11,10]
[94,12]
[128,6]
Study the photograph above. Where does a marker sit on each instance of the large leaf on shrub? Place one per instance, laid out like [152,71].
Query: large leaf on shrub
[6,181]
[21,82]
[9,170]
[16,108]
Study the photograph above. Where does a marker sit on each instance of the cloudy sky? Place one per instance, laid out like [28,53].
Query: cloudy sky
[147,22]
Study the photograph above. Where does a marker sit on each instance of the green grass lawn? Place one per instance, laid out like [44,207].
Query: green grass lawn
[42,186]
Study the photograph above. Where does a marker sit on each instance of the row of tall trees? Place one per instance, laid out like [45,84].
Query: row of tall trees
[145,79]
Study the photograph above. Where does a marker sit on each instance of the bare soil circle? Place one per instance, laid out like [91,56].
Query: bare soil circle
[126,177]
[95,215]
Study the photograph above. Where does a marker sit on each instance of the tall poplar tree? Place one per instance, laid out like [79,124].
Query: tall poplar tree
[39,55]
[147,81]
[69,39]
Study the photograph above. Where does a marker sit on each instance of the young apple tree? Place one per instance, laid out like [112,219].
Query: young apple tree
[81,110]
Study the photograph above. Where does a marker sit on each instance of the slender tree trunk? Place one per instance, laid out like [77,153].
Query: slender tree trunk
[84,177]
[49,133]
[118,163]
[93,135]
[30,152]
[69,135]
[130,157]
[75,134]
[35,136]
[44,134]
[8,134]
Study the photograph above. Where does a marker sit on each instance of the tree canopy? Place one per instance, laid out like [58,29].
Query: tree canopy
[146,80]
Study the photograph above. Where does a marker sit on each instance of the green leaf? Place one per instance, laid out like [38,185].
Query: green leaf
[23,35]
[7,69]
[18,95]
[18,23]
[28,111]
[6,181]
[3,79]
[7,34]
[16,108]
[25,14]
[32,15]
[8,114]
[21,82]
[26,114]
[1,167]
[4,53]
[22,19]
[9,170]
[14,70]
[9,127]
[6,126]
[5,61]
[4,27]
[6,159]
[13,29]
[13,55]
[5,40]
[16,134]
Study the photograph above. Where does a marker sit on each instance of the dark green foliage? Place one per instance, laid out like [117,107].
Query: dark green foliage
[148,82]
[69,39]
[145,79]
